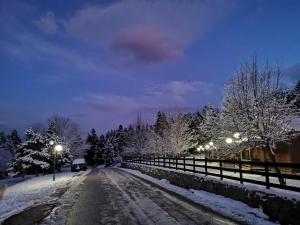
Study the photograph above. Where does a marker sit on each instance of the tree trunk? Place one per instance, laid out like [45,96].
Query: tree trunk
[273,160]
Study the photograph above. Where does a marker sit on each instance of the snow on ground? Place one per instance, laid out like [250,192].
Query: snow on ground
[278,191]
[12,181]
[59,214]
[225,206]
[33,191]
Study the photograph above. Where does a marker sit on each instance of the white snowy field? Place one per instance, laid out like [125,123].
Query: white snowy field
[225,206]
[33,191]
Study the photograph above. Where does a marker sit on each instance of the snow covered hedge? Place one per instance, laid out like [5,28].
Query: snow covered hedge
[284,208]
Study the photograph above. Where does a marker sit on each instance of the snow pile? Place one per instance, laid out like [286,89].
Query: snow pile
[225,206]
[32,191]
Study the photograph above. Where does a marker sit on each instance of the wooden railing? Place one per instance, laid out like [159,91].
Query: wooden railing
[260,173]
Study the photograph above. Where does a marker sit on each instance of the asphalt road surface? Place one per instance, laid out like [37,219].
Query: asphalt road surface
[113,197]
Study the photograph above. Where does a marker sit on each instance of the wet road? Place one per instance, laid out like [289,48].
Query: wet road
[114,197]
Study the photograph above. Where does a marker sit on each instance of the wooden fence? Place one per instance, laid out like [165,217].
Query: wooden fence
[259,173]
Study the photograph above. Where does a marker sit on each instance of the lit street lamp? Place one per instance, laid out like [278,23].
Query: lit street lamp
[229,140]
[237,135]
[57,148]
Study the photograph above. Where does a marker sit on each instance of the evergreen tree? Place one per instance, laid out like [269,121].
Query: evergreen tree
[93,145]
[109,149]
[120,140]
[32,156]
[77,145]
[99,157]
[194,121]
[3,138]
[161,123]
[5,155]
[62,158]
[294,96]
[14,141]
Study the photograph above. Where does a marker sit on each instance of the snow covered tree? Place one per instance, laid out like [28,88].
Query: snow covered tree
[294,96]
[13,141]
[256,106]
[99,156]
[5,155]
[109,148]
[93,144]
[194,121]
[120,140]
[137,138]
[161,123]
[178,137]
[32,156]
[154,143]
[76,144]
[68,131]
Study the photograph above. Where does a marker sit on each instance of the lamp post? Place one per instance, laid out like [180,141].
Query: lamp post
[57,148]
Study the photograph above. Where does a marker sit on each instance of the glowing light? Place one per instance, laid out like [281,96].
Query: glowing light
[236,135]
[207,146]
[58,148]
[229,140]
[211,143]
[51,142]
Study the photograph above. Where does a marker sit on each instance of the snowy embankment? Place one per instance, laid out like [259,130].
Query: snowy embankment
[33,191]
[225,206]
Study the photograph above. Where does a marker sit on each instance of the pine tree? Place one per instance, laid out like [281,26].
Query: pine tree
[64,157]
[161,123]
[109,148]
[294,96]
[195,121]
[14,141]
[93,145]
[77,146]
[99,156]
[5,155]
[32,156]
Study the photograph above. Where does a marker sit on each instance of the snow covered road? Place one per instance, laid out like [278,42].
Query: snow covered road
[113,196]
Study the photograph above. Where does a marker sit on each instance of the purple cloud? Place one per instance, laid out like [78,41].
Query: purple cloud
[147,31]
[147,44]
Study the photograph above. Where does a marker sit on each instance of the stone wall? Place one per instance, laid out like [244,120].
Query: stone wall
[285,210]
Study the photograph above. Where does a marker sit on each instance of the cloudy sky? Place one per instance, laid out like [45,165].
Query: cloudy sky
[100,62]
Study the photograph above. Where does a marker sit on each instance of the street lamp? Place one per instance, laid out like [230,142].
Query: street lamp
[237,135]
[57,148]
[229,140]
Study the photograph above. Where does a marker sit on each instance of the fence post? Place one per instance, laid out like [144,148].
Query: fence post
[183,163]
[205,166]
[267,175]
[241,173]
[176,163]
[221,170]
[164,159]
[194,165]
[169,163]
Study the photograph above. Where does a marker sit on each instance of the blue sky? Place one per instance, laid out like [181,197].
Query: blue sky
[102,62]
